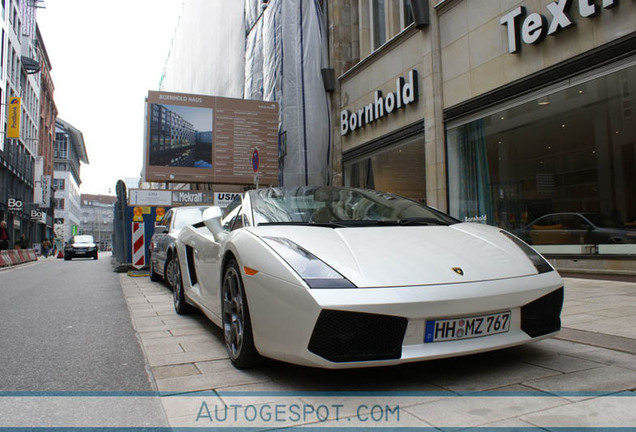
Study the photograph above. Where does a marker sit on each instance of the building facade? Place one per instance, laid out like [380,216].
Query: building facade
[513,113]
[271,50]
[20,91]
[97,218]
[69,151]
[518,114]
[46,138]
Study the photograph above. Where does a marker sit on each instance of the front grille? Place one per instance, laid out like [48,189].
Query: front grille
[542,316]
[341,336]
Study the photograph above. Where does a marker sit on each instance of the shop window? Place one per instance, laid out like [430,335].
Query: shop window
[399,169]
[559,169]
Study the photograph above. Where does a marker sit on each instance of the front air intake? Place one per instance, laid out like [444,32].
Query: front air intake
[341,336]
[543,316]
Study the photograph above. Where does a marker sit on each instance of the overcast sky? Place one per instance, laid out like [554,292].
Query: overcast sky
[106,55]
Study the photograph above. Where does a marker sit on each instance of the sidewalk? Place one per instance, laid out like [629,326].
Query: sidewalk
[586,377]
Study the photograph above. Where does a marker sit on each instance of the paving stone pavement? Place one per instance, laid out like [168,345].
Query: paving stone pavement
[586,377]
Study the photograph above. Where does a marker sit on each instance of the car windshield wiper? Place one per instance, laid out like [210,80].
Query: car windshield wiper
[421,221]
[366,222]
[333,224]
[399,222]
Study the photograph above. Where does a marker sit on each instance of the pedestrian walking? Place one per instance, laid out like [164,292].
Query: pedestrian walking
[46,247]
[4,236]
[24,242]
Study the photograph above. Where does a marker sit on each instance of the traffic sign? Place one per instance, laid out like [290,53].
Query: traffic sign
[255,160]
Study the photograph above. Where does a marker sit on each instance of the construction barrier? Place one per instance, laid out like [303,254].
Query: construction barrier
[22,255]
[139,245]
[14,257]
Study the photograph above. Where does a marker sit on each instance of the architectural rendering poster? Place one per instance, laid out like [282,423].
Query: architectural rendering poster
[196,139]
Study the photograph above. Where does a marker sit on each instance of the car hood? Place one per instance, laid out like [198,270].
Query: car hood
[410,255]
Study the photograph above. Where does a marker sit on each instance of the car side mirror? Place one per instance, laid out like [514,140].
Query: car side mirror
[212,220]
[161,229]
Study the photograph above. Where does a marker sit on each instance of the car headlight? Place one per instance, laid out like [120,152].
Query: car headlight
[539,262]
[315,272]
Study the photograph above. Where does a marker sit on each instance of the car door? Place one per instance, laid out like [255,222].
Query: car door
[544,230]
[578,228]
[232,219]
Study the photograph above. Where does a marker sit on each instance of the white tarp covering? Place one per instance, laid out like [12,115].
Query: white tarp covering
[208,50]
[286,49]
[274,53]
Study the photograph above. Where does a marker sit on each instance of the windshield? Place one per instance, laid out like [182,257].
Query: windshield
[340,207]
[188,216]
[83,239]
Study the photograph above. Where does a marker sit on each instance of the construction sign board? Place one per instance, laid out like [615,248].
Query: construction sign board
[208,139]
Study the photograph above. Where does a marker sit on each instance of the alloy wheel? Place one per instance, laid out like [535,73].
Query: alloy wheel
[233,312]
[174,278]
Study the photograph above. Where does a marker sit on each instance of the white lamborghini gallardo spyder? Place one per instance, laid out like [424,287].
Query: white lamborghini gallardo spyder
[341,277]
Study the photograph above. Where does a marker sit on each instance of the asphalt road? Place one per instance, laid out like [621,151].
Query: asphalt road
[65,326]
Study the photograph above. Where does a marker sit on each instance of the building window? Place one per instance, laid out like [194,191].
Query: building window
[2,51]
[58,184]
[378,24]
[398,169]
[59,203]
[406,13]
[60,149]
[558,169]
[369,24]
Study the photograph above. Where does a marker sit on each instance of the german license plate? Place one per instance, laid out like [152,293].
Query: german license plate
[467,328]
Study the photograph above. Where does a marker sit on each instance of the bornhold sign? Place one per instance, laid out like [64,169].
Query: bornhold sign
[207,139]
[405,94]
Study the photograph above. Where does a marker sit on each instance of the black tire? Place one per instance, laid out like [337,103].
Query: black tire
[153,275]
[173,271]
[236,322]
[67,258]
[95,257]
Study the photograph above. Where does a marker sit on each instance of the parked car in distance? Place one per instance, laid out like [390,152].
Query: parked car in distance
[80,246]
[342,278]
[162,242]
[576,228]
